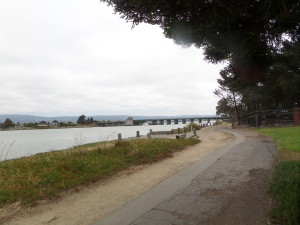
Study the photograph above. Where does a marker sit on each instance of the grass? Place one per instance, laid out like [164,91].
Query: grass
[285,181]
[288,138]
[193,125]
[46,175]
[285,190]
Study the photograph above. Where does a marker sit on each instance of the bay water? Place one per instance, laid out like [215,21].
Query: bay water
[19,143]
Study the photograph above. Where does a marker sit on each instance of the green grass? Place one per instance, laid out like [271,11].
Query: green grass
[288,138]
[46,175]
[285,181]
[285,190]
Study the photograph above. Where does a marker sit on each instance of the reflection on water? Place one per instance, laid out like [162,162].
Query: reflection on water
[28,142]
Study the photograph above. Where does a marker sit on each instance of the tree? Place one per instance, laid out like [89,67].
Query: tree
[8,123]
[30,124]
[245,32]
[230,91]
[280,89]
[81,119]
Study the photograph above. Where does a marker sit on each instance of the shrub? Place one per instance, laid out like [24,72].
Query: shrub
[193,125]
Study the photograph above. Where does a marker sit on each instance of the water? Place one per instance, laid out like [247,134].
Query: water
[19,143]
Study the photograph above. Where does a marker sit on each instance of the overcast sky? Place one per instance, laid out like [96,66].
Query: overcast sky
[73,57]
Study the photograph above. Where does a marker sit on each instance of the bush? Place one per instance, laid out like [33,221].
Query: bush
[193,125]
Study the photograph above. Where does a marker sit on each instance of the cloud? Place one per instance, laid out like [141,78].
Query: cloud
[76,57]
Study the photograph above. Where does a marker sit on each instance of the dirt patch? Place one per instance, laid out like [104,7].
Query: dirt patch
[286,155]
[101,198]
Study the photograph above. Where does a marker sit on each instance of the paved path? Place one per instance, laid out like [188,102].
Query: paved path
[228,187]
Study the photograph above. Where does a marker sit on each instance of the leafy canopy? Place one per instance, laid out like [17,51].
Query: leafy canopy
[244,32]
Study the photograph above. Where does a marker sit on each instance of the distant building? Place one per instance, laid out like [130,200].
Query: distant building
[43,124]
[128,121]
[55,123]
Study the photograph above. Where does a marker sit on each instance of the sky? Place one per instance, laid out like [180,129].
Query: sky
[74,57]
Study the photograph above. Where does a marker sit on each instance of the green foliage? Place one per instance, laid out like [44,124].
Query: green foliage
[279,89]
[193,125]
[246,33]
[30,125]
[45,175]
[81,119]
[8,123]
[230,91]
[284,188]
[69,124]
[285,181]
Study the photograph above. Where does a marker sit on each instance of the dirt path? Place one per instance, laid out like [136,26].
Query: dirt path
[99,199]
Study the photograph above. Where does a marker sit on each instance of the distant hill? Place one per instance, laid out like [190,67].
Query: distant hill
[36,119]
[73,119]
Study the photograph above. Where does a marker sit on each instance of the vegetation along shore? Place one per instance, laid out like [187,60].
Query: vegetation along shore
[285,181]
[45,176]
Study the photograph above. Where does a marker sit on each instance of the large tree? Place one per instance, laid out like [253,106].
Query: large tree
[8,123]
[280,88]
[81,119]
[246,32]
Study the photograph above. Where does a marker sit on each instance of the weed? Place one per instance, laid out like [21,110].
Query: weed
[193,126]
[122,144]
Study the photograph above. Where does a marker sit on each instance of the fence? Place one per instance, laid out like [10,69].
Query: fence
[278,117]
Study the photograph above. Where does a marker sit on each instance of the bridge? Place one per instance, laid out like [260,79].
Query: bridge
[160,121]
[182,120]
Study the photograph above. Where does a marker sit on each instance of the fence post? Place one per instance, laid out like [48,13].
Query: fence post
[296,116]
[149,136]
[184,130]
[150,131]
[119,136]
[137,134]
[194,130]
[178,130]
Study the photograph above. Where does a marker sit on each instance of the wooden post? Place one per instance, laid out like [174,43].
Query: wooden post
[150,131]
[137,134]
[178,130]
[194,131]
[119,137]
[296,116]
[184,130]
[149,136]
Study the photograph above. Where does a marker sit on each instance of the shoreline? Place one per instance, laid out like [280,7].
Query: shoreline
[100,198]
